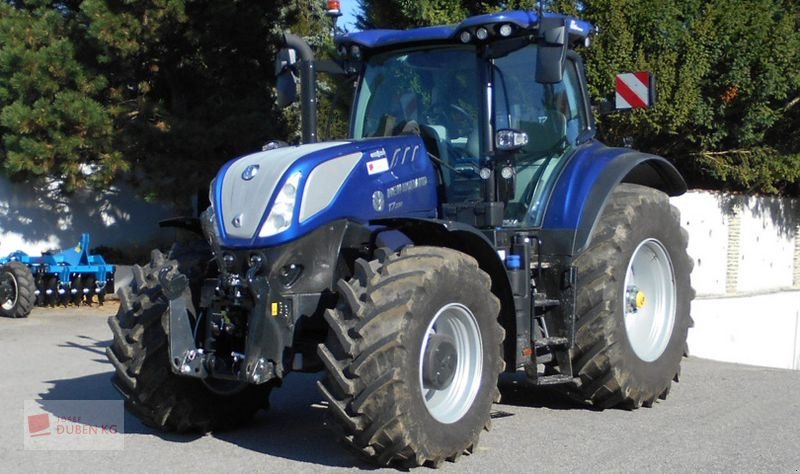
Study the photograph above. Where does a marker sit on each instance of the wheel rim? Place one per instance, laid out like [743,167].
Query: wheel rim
[650,298]
[10,281]
[454,327]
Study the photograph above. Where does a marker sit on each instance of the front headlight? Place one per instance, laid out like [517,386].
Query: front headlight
[280,217]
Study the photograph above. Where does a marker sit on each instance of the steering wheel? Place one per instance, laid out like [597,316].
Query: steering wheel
[458,121]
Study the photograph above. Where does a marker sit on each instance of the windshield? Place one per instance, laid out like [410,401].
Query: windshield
[432,92]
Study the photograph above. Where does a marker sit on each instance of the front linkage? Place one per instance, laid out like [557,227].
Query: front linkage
[239,333]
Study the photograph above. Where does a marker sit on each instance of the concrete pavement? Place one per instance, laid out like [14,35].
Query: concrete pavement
[721,417]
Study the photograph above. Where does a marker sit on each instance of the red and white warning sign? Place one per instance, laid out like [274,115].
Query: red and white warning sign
[635,90]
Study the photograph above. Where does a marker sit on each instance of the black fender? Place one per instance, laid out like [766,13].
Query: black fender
[473,242]
[583,187]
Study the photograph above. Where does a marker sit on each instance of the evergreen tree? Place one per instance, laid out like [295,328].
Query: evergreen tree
[53,120]
[160,92]
[403,14]
[725,80]
[190,84]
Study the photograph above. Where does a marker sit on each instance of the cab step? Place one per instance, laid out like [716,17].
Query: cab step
[551,342]
[553,379]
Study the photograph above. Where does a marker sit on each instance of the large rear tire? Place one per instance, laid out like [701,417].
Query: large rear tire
[633,301]
[20,287]
[140,356]
[413,363]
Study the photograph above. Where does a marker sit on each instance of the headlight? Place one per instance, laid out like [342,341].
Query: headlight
[280,217]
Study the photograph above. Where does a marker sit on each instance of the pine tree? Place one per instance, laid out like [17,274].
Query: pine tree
[53,121]
[191,84]
[157,92]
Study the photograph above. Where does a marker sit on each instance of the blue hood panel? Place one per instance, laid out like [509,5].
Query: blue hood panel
[360,180]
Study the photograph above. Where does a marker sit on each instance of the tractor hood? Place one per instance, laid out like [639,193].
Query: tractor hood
[276,196]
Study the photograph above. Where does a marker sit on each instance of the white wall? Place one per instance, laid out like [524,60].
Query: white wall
[746,275]
[708,241]
[757,330]
[38,221]
[740,244]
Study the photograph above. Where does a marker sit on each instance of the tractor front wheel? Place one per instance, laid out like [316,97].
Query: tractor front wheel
[140,356]
[414,356]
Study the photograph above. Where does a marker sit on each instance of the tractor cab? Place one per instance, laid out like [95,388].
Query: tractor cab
[498,101]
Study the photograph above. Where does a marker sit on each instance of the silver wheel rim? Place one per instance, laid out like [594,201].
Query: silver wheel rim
[450,403]
[649,300]
[9,304]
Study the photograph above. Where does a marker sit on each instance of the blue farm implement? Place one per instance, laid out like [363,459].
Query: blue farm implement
[69,276]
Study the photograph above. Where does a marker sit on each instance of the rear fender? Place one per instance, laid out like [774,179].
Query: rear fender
[583,187]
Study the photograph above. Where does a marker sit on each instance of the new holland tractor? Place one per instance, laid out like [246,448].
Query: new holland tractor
[470,225]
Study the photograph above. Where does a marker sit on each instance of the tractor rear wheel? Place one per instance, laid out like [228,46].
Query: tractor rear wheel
[140,356]
[19,290]
[633,301]
[414,356]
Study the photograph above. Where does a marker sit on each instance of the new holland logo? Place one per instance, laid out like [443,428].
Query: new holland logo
[237,221]
[250,172]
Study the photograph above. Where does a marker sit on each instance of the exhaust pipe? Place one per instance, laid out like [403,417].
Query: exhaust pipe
[308,86]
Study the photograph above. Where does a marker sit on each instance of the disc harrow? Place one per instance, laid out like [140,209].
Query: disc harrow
[71,276]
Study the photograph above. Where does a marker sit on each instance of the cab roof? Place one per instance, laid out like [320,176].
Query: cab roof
[519,20]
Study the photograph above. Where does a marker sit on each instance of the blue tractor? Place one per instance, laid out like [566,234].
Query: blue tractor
[470,225]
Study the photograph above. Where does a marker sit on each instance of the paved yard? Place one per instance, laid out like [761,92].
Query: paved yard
[721,417]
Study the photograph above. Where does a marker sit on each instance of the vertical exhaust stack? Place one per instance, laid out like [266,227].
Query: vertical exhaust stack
[308,86]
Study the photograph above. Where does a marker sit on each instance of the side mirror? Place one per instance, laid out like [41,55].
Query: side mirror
[552,51]
[285,84]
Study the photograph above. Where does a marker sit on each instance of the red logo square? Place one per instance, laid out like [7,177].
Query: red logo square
[39,425]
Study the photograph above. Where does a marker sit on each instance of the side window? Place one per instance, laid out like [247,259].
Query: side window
[573,103]
[552,115]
